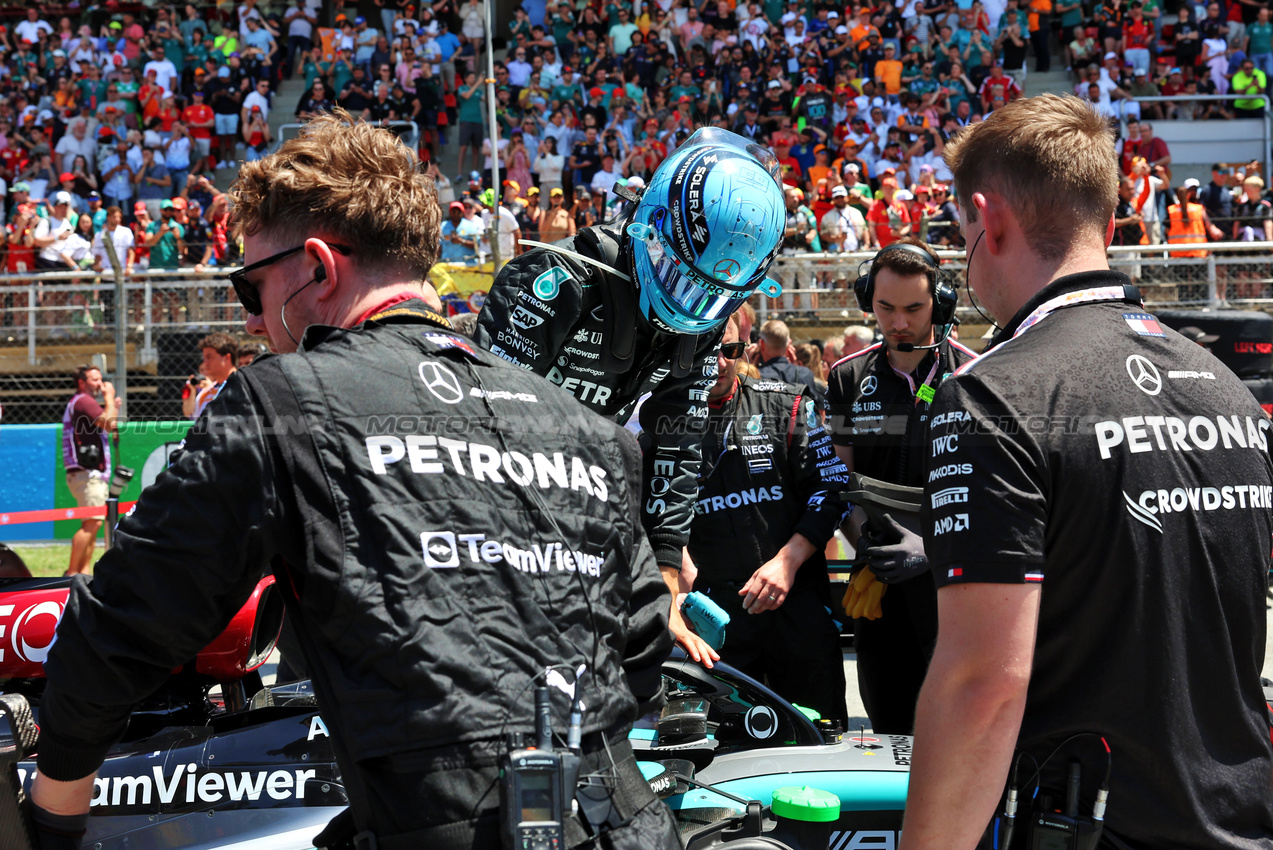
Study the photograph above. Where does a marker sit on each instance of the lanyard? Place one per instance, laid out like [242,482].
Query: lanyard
[928,389]
[1069,299]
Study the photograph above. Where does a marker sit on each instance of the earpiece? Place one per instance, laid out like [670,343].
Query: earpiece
[320,273]
[945,295]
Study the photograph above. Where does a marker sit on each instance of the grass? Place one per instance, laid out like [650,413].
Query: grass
[50,560]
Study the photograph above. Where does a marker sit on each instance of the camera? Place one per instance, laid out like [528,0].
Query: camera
[196,380]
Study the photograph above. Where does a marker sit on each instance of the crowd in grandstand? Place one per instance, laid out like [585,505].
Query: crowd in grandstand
[131,114]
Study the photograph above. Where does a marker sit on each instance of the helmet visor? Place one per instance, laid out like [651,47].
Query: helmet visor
[693,296]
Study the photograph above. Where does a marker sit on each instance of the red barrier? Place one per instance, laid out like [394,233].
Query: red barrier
[20,517]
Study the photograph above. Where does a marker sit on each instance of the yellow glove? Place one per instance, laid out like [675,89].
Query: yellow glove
[862,599]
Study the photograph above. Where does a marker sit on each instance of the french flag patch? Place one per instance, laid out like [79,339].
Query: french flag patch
[956,572]
[1143,324]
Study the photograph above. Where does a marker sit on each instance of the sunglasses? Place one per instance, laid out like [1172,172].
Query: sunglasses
[248,293]
[733,350]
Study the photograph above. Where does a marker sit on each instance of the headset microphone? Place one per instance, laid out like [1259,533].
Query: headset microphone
[945,295]
[906,347]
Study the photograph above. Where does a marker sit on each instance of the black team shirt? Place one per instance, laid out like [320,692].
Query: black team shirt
[1126,470]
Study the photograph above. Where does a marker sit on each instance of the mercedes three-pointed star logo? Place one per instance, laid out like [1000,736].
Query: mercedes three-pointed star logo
[1144,375]
[868,385]
[441,381]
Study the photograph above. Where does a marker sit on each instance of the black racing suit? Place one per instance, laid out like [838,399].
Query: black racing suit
[769,471]
[444,528]
[876,411]
[578,326]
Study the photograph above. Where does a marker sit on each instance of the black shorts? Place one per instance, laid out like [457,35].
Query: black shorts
[471,134]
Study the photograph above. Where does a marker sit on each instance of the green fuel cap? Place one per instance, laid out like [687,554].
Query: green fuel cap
[802,803]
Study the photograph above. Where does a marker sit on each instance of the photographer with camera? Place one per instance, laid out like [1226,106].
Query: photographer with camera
[86,454]
[220,354]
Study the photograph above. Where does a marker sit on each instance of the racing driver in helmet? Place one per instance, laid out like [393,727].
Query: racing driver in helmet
[636,307]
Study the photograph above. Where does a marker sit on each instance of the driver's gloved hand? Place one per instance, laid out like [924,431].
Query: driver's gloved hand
[899,560]
[55,832]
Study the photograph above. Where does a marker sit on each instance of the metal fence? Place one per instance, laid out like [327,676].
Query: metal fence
[817,288]
[50,323]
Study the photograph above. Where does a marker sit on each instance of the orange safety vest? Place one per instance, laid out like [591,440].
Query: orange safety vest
[1189,231]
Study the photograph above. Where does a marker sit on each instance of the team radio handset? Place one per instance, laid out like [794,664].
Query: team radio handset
[537,784]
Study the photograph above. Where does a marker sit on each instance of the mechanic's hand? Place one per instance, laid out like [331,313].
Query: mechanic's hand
[694,646]
[900,560]
[768,586]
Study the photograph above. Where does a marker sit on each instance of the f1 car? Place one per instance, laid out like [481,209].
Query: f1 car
[216,759]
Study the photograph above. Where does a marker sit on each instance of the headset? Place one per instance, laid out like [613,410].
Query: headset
[943,288]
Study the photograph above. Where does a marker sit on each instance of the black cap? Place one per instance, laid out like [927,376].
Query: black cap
[1196,334]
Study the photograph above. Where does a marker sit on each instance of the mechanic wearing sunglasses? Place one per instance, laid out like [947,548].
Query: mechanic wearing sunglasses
[762,521]
[384,469]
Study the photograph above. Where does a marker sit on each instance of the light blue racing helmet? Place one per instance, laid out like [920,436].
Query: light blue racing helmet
[706,230]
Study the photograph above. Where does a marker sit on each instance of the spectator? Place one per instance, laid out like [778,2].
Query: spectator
[843,228]
[889,217]
[164,239]
[314,102]
[1259,41]
[197,238]
[300,18]
[1253,215]
[50,235]
[166,74]
[122,239]
[258,97]
[856,338]
[1129,226]
[153,181]
[471,99]
[557,222]
[256,135]
[177,150]
[77,142]
[800,236]
[117,176]
[1253,81]
[1217,196]
[227,98]
[1138,35]
[455,248]
[200,122]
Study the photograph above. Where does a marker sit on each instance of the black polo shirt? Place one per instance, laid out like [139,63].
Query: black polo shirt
[1126,470]
[880,414]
